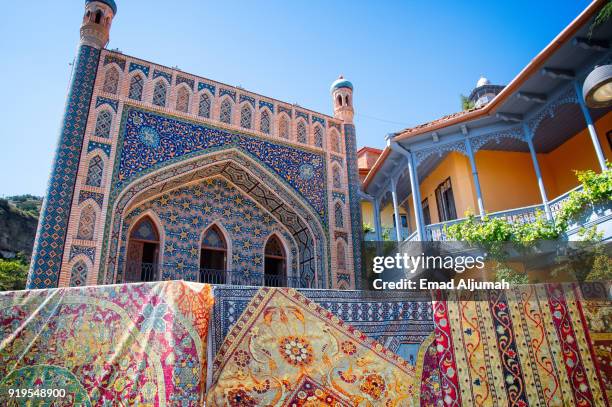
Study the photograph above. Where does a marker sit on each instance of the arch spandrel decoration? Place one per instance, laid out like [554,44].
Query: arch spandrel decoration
[266,189]
[150,141]
[515,133]
[422,155]
[568,96]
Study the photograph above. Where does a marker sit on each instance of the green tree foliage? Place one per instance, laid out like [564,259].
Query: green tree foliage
[466,103]
[491,233]
[13,274]
[28,204]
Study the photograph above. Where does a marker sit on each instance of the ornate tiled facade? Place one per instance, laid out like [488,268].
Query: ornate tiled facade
[187,212]
[135,132]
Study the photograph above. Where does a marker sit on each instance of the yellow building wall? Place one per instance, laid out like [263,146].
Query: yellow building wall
[576,153]
[386,214]
[457,167]
[367,213]
[507,180]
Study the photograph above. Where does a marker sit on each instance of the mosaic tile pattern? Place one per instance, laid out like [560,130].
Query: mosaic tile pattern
[151,140]
[263,103]
[143,68]
[167,76]
[187,212]
[261,186]
[106,101]
[89,252]
[51,234]
[94,145]
[109,59]
[229,92]
[181,79]
[249,99]
[95,196]
[354,184]
[203,85]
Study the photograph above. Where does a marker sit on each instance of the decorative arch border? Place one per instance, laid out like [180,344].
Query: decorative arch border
[211,100]
[515,133]
[73,262]
[265,109]
[190,97]
[106,69]
[568,96]
[171,176]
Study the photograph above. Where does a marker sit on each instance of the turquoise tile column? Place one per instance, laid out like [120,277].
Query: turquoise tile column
[55,212]
[354,198]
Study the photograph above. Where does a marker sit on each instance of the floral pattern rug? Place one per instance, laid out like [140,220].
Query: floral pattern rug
[134,344]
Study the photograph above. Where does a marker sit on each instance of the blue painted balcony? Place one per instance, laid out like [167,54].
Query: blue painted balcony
[600,215]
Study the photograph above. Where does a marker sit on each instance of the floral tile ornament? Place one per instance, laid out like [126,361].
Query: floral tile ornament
[132,344]
[287,350]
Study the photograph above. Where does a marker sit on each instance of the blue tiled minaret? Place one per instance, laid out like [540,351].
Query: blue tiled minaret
[55,212]
[342,94]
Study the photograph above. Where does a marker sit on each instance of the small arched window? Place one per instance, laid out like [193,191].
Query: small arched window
[283,126]
[204,106]
[245,117]
[346,100]
[143,252]
[337,177]
[136,87]
[225,114]
[111,81]
[78,274]
[159,93]
[339,98]
[87,223]
[301,132]
[341,255]
[182,100]
[95,171]
[336,143]
[213,256]
[318,136]
[103,124]
[98,17]
[275,274]
[338,215]
[264,122]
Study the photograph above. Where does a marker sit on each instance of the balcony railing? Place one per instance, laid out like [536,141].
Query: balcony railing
[136,272]
[232,277]
[528,214]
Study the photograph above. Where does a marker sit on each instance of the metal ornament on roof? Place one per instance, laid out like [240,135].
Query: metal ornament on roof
[568,96]
[422,155]
[478,142]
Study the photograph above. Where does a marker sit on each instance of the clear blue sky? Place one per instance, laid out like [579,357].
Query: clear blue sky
[408,60]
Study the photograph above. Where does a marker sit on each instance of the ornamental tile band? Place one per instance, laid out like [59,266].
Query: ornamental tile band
[151,140]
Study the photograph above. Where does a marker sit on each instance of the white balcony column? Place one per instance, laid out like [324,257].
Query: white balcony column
[468,147]
[592,132]
[414,186]
[377,225]
[396,215]
[416,197]
[536,167]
